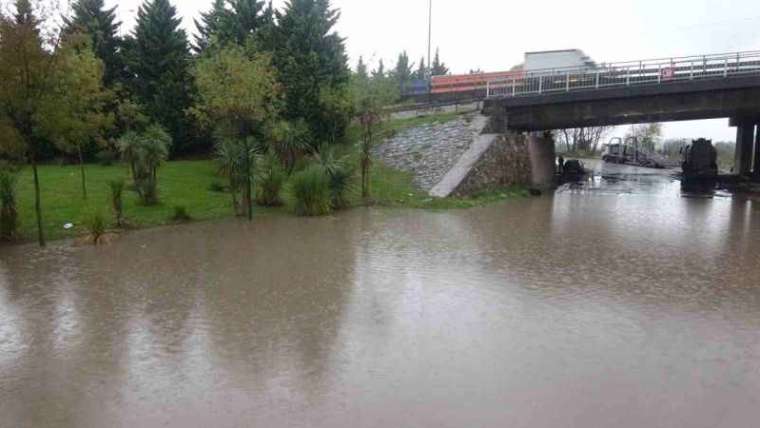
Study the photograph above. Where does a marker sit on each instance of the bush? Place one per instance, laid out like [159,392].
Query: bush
[146,152]
[311,191]
[217,187]
[180,215]
[117,201]
[340,185]
[95,223]
[339,173]
[270,178]
[8,212]
[232,165]
[107,157]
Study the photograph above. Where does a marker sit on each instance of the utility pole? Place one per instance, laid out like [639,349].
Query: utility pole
[430,38]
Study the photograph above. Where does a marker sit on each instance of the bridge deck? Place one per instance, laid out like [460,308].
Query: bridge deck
[644,73]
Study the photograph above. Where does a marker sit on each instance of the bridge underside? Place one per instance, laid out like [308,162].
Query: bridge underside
[738,98]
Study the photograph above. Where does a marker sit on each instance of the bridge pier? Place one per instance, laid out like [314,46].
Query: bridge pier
[543,159]
[756,171]
[745,138]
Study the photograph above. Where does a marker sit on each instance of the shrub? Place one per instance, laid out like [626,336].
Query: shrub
[180,214]
[107,157]
[339,173]
[231,157]
[270,178]
[340,185]
[145,153]
[311,191]
[217,187]
[8,212]
[95,223]
[117,201]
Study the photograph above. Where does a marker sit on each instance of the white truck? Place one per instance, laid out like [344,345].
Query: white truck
[558,59]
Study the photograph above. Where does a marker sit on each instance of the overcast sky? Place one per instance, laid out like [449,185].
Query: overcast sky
[492,35]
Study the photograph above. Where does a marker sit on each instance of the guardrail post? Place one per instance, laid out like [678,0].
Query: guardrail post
[628,76]
[691,71]
[514,86]
[598,75]
[567,82]
[488,89]
[540,84]
[659,74]
[725,67]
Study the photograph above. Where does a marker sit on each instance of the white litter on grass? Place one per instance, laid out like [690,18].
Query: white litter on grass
[68,226]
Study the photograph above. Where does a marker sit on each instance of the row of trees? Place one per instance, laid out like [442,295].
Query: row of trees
[404,71]
[591,139]
[258,84]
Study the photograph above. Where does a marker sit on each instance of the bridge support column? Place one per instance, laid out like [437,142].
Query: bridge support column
[756,170]
[543,159]
[745,136]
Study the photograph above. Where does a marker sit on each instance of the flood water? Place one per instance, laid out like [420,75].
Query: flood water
[617,303]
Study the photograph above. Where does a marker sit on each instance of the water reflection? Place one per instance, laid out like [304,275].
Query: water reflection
[609,307]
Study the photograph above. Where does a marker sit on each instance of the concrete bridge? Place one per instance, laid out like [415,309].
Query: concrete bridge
[672,89]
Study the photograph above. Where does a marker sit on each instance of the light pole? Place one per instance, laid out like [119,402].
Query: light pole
[430,38]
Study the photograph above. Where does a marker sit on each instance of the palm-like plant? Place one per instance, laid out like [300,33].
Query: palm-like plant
[145,152]
[339,172]
[230,156]
[270,177]
[291,141]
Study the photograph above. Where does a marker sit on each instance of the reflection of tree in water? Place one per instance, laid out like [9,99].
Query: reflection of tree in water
[275,301]
[68,326]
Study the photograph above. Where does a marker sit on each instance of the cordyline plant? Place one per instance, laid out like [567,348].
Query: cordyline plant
[238,95]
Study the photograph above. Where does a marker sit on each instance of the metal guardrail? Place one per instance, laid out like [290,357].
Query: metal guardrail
[622,74]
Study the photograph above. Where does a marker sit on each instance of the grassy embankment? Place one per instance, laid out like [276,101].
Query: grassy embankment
[188,184]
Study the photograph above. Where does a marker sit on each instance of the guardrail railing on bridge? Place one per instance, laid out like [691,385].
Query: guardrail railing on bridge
[633,73]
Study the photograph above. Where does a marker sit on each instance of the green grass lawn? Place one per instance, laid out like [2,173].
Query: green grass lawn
[188,184]
[184,183]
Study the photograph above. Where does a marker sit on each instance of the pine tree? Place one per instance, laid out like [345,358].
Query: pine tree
[422,71]
[247,19]
[211,25]
[159,62]
[438,68]
[90,17]
[25,14]
[403,71]
[312,65]
[267,32]
[379,72]
[361,69]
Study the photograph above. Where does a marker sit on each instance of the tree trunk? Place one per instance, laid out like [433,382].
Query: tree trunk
[37,203]
[82,172]
[248,185]
[248,196]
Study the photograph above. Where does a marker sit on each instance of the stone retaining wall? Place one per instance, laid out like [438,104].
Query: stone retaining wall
[505,163]
[428,152]
[456,158]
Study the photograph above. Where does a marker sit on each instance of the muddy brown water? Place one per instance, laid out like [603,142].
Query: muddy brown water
[616,303]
